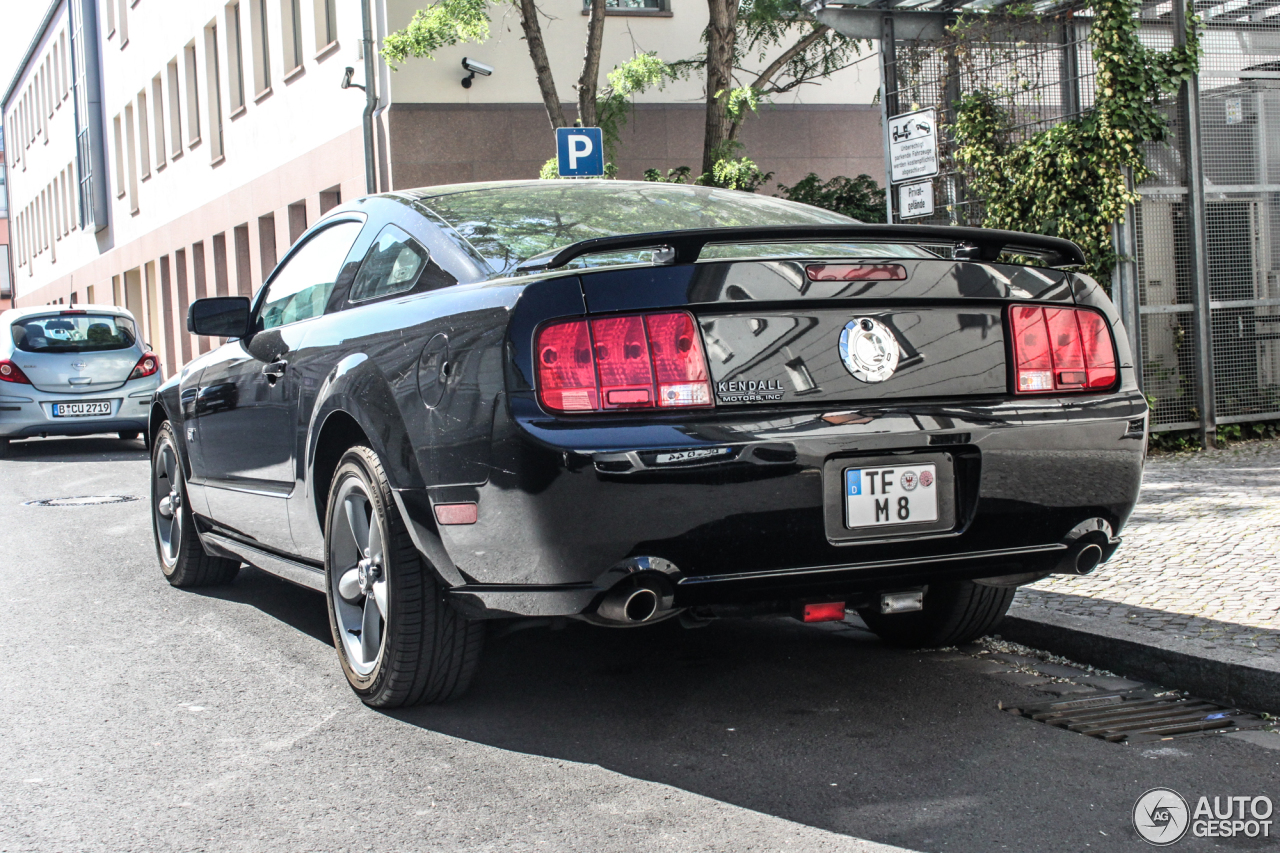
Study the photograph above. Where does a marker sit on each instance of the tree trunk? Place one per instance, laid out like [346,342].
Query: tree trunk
[589,82]
[722,30]
[541,65]
[767,75]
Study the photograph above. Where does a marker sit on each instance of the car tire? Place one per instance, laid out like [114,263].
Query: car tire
[129,436]
[954,613]
[399,640]
[183,559]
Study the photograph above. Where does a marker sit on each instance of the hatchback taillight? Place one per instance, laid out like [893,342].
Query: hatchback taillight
[146,366]
[635,362]
[1060,350]
[10,372]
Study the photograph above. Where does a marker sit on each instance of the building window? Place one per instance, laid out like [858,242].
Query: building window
[326,23]
[119,128]
[213,73]
[157,104]
[111,18]
[261,47]
[123,22]
[175,112]
[640,6]
[131,156]
[4,197]
[235,56]
[193,98]
[144,138]
[291,24]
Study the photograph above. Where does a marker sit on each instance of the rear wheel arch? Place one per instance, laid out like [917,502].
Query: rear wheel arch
[338,434]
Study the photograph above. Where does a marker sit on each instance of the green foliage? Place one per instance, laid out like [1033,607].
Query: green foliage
[550,171]
[740,173]
[860,197]
[768,28]
[678,175]
[442,24]
[614,103]
[1073,180]
[1185,441]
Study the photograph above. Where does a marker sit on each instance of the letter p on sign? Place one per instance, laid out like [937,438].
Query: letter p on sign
[579,152]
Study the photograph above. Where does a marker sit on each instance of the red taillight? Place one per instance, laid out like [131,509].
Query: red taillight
[633,362]
[1061,350]
[10,372]
[826,611]
[856,272]
[146,366]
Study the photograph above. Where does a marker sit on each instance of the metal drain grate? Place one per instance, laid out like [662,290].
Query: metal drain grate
[1139,716]
[84,500]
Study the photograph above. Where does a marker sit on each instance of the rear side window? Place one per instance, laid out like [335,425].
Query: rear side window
[300,290]
[396,263]
[74,333]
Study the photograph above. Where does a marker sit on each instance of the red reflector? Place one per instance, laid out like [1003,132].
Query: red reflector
[457,513]
[856,272]
[1061,349]
[827,611]
[635,362]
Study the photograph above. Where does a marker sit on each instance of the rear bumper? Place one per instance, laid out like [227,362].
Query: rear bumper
[27,412]
[565,505]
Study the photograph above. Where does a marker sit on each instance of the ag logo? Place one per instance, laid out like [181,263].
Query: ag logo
[869,350]
[1161,816]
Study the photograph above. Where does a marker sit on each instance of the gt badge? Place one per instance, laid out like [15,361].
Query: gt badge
[869,350]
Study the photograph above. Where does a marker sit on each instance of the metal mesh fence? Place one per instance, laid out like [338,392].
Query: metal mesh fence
[1042,72]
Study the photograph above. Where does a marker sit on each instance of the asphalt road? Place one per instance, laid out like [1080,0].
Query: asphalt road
[141,717]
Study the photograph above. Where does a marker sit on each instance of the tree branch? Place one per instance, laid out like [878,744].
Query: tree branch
[541,64]
[589,82]
[780,62]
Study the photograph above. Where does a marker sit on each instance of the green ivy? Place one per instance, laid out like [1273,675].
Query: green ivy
[1076,179]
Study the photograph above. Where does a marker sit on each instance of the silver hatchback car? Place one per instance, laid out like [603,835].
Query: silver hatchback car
[73,371]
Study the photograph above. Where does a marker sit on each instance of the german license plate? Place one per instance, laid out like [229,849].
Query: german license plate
[879,497]
[80,410]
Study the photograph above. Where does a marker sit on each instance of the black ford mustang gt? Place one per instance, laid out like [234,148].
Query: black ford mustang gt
[623,402]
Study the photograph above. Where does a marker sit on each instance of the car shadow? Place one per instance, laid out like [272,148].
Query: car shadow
[94,448]
[821,725]
[298,607]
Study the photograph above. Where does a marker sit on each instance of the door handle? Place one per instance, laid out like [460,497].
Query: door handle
[274,370]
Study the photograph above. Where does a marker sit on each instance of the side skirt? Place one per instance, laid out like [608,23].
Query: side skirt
[294,572]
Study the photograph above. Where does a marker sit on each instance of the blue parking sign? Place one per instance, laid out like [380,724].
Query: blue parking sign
[580,152]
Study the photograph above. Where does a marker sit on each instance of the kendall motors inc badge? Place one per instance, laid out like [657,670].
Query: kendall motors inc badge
[869,350]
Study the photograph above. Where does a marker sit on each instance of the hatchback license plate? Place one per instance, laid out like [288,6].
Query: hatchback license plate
[903,494]
[80,410]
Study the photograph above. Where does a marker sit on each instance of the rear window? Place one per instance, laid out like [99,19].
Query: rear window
[74,333]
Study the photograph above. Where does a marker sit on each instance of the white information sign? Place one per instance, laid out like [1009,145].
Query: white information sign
[913,146]
[915,199]
[1235,110]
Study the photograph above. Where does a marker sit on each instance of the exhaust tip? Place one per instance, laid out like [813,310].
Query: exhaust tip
[1088,559]
[640,605]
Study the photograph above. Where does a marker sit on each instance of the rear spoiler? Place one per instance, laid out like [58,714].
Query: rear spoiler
[684,247]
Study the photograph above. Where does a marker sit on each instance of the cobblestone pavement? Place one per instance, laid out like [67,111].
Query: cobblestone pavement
[1201,554]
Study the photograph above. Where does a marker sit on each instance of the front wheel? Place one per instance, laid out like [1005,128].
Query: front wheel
[398,639]
[182,558]
[954,613]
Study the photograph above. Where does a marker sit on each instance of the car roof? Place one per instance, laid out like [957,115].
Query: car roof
[14,315]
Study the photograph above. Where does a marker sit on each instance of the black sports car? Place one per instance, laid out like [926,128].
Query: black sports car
[626,402]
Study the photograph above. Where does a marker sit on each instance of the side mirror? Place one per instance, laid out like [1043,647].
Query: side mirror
[219,317]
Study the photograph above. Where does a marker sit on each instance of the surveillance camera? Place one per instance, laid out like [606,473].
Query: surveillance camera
[476,67]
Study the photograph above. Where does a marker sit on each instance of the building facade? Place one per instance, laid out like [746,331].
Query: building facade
[162,152]
[6,268]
